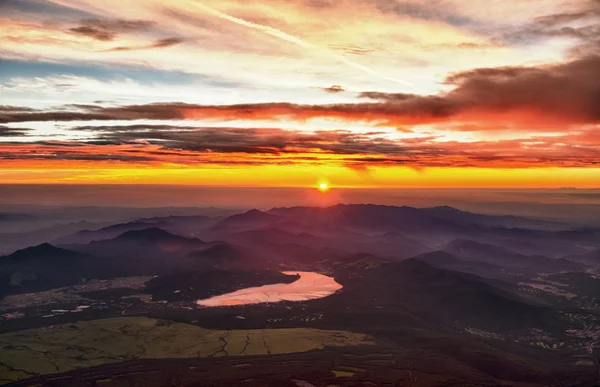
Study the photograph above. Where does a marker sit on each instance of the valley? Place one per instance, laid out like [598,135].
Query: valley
[174,301]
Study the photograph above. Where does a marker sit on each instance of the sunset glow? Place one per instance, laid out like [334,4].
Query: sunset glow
[228,183]
[271,93]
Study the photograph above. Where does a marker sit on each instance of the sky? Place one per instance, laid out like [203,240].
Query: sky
[294,93]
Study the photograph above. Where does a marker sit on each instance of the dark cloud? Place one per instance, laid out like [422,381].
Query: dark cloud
[80,106]
[245,140]
[154,111]
[379,96]
[167,42]
[255,146]
[334,89]
[435,10]
[161,43]
[583,25]
[560,95]
[133,128]
[120,25]
[52,116]
[94,33]
[5,131]
[569,92]
[15,109]
[589,11]
[352,49]
[74,157]
[107,30]
[357,148]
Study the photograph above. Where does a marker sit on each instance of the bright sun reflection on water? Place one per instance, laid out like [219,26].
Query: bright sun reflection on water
[310,286]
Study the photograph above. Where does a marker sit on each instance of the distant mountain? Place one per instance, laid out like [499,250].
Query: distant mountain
[591,258]
[273,236]
[150,242]
[45,251]
[554,244]
[16,217]
[508,221]
[361,261]
[502,257]
[154,251]
[583,235]
[445,260]
[391,246]
[222,255]
[373,219]
[13,241]
[584,284]
[399,232]
[189,226]
[43,267]
[397,218]
[249,220]
[154,235]
[181,225]
[440,225]
[193,219]
[87,236]
[450,298]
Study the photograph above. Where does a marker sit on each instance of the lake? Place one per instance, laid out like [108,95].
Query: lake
[309,286]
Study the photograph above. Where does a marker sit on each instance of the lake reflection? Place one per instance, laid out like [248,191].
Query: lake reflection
[309,286]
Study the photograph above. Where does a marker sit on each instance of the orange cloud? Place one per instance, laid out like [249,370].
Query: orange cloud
[560,95]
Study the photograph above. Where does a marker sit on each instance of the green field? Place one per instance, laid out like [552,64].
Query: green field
[62,348]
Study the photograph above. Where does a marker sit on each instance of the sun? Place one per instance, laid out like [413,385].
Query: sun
[323,187]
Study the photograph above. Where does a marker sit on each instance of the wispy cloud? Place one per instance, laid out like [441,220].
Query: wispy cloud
[6,131]
[160,43]
[107,30]
[303,43]
[334,89]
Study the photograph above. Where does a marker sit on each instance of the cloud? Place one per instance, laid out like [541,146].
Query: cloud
[6,131]
[51,116]
[589,11]
[184,144]
[107,30]
[160,43]
[94,33]
[415,47]
[559,95]
[565,92]
[385,96]
[120,25]
[167,42]
[334,89]
[190,145]
[450,155]
[15,109]
[581,25]
[245,140]
[274,32]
